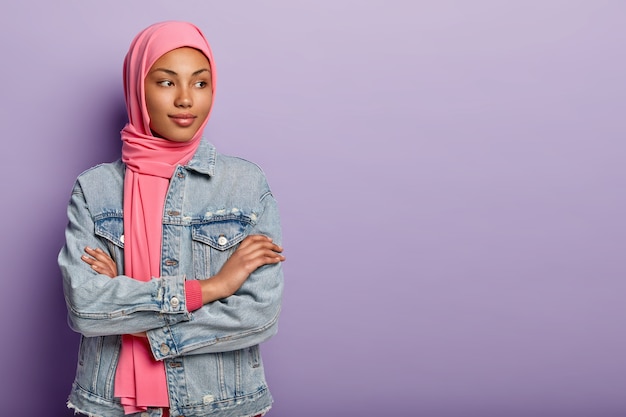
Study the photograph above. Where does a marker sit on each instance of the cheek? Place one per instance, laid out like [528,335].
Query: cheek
[155,111]
[150,107]
[155,100]
[207,104]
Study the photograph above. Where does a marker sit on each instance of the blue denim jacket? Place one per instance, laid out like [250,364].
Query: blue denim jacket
[212,361]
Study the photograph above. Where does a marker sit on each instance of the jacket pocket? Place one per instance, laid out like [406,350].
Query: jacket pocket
[97,362]
[111,227]
[216,238]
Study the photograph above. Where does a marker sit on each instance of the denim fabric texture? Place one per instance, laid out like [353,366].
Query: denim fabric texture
[211,356]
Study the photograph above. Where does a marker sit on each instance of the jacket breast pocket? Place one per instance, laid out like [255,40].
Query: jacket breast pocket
[214,240]
[110,228]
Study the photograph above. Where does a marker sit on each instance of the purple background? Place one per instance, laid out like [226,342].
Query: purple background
[450,175]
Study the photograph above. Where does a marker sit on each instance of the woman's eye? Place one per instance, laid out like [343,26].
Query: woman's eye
[201,84]
[165,83]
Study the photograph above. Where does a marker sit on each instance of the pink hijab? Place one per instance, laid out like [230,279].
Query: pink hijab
[150,162]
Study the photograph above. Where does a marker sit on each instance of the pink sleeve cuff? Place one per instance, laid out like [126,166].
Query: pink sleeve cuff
[193,295]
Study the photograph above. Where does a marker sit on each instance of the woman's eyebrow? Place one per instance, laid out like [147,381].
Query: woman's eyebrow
[200,71]
[174,73]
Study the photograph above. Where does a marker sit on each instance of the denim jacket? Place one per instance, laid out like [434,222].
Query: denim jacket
[211,355]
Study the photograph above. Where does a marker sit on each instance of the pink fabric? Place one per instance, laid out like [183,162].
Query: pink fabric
[150,162]
[193,295]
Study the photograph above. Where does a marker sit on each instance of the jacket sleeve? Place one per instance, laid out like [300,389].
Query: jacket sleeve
[247,318]
[99,305]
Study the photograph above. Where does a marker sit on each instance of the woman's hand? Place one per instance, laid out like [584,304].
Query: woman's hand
[100,262]
[254,251]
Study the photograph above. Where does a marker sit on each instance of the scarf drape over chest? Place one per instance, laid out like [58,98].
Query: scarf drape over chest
[150,162]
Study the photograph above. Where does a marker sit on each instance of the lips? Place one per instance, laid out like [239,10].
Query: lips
[183,120]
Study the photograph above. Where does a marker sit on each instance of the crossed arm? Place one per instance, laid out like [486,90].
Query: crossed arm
[253,252]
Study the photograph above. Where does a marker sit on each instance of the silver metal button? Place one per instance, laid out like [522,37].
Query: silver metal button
[174,302]
[122,238]
[165,349]
[222,240]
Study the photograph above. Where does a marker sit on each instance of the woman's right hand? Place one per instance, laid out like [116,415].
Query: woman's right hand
[254,251]
[100,262]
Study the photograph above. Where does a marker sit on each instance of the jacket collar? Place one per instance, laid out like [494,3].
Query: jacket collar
[203,161]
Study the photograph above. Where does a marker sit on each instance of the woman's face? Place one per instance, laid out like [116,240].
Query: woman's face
[178,94]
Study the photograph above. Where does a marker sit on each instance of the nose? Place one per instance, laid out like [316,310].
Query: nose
[183,99]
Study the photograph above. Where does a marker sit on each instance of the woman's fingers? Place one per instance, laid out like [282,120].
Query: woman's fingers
[97,254]
[100,262]
[256,242]
[253,252]
[257,251]
[252,240]
[254,260]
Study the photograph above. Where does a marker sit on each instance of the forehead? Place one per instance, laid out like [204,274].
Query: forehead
[182,58]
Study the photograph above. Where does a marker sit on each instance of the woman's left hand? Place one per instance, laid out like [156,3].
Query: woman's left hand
[100,262]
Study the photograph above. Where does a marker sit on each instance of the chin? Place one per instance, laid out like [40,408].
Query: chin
[174,138]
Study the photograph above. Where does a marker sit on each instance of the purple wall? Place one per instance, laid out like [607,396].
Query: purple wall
[450,174]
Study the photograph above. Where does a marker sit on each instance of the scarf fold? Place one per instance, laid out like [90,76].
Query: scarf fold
[140,380]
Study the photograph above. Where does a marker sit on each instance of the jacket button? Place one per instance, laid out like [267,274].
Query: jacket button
[222,240]
[165,349]
[122,238]
[174,302]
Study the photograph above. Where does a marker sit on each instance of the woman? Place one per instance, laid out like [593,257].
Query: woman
[172,261]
